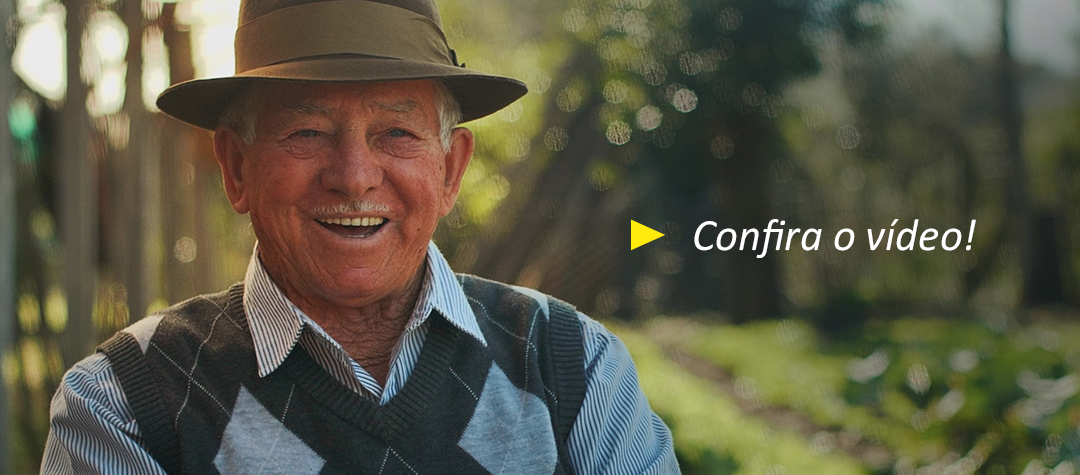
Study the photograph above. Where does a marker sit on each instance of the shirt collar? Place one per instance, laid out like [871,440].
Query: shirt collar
[276,323]
[446,296]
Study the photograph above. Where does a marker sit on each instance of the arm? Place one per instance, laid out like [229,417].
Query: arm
[92,429]
[616,431]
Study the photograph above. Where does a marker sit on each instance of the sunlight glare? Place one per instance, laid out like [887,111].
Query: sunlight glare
[39,53]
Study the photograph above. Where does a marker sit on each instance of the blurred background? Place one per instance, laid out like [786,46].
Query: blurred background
[824,113]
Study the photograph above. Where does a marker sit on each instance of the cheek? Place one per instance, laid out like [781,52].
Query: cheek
[307,148]
[280,179]
[273,195]
[423,176]
[424,190]
[436,189]
[401,147]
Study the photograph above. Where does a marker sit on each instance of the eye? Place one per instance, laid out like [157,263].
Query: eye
[307,134]
[398,133]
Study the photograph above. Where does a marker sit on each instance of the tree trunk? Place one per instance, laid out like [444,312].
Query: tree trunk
[133,163]
[1068,195]
[177,173]
[1017,206]
[500,249]
[748,284]
[78,193]
[554,232]
[7,230]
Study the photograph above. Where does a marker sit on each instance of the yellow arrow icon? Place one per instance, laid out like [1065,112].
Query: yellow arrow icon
[641,235]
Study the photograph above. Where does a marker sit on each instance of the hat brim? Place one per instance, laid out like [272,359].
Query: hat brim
[200,102]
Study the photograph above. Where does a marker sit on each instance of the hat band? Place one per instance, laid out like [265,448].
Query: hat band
[339,27]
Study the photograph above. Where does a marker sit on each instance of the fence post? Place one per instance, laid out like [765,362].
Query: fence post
[7,227]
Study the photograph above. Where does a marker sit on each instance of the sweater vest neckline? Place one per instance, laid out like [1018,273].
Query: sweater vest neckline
[434,421]
[394,418]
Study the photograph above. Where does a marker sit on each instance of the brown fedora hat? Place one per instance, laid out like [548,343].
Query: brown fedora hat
[339,41]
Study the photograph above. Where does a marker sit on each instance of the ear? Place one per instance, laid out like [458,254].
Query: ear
[457,159]
[229,150]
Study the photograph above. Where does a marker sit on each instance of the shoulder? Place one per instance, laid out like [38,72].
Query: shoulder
[204,309]
[494,296]
[90,398]
[508,304]
[191,312]
[596,338]
[92,427]
[94,382]
[182,329]
[492,293]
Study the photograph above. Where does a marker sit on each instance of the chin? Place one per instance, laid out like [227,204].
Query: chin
[353,288]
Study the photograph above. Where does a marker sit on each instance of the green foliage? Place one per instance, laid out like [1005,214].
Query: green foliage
[663,110]
[934,392]
[711,433]
[505,138]
[781,363]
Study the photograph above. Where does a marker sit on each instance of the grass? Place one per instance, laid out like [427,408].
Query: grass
[937,394]
[711,431]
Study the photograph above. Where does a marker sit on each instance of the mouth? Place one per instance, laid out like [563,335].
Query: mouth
[353,227]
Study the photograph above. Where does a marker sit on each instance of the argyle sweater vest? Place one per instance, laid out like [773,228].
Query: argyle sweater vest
[190,376]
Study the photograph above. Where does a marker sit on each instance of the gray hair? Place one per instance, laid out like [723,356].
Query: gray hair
[240,114]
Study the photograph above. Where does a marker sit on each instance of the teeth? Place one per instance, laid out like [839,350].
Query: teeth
[354,221]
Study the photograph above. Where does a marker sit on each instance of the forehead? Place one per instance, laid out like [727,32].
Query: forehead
[406,98]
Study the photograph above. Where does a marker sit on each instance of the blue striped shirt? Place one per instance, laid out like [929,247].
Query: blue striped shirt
[93,429]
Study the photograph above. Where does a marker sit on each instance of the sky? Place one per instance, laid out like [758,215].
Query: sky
[1044,31]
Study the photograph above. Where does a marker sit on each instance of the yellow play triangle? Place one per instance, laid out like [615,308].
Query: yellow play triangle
[641,235]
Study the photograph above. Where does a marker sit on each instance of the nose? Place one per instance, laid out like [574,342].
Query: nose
[353,169]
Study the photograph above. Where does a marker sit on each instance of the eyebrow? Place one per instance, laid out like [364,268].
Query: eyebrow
[402,106]
[308,109]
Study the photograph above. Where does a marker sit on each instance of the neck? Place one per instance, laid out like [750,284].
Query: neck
[370,332]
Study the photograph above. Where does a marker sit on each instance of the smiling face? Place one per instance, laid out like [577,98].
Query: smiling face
[345,184]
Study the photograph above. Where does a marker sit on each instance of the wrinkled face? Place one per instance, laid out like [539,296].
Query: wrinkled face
[345,184]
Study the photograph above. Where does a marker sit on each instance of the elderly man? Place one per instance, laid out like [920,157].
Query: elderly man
[351,347]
